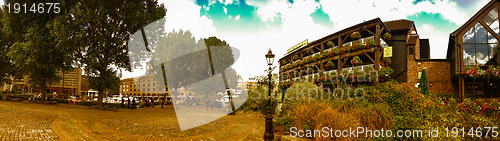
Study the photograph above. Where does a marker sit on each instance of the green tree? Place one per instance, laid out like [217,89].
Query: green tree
[99,31]
[33,49]
[7,67]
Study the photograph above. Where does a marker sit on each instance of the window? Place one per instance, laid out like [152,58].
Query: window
[478,43]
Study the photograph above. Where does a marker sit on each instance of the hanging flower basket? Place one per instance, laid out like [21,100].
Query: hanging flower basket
[356,61]
[342,50]
[370,43]
[387,36]
[387,61]
[330,65]
[334,52]
[295,57]
[285,62]
[310,51]
[330,44]
[355,35]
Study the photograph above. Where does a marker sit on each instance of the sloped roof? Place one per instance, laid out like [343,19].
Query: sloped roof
[412,40]
[399,24]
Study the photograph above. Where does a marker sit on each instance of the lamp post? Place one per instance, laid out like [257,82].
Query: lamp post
[268,135]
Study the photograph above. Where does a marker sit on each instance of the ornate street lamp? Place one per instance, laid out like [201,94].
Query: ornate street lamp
[268,135]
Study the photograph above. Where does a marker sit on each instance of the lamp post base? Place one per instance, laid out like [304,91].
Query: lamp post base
[269,135]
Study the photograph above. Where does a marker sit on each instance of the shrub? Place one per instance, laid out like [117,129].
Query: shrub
[331,118]
[300,91]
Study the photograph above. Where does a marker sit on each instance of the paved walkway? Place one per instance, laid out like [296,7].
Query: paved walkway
[30,121]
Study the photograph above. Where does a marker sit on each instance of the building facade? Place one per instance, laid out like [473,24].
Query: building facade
[475,55]
[336,60]
[143,86]
[72,83]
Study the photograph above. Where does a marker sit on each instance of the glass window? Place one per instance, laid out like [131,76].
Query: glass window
[481,34]
[481,54]
[491,16]
[469,53]
[495,28]
[492,52]
[469,36]
[492,39]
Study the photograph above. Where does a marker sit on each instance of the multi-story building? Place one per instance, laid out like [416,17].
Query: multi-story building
[338,59]
[142,86]
[72,82]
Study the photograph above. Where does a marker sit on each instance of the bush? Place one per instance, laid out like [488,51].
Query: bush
[300,91]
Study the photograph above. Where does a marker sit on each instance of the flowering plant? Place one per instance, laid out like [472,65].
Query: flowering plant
[284,62]
[494,71]
[370,43]
[333,52]
[387,36]
[295,57]
[330,65]
[330,44]
[473,72]
[310,51]
[356,61]
[355,35]
[386,61]
[305,60]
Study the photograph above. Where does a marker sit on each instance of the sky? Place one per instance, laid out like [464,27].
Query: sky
[254,26]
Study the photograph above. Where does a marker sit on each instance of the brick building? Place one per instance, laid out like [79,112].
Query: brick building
[410,55]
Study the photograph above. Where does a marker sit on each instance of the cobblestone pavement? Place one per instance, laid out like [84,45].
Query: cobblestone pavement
[32,121]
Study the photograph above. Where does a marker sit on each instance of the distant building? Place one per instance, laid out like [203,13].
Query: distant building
[142,86]
[72,83]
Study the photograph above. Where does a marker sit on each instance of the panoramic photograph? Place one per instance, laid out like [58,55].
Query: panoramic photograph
[249,70]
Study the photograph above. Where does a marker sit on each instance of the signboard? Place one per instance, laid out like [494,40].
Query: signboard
[301,44]
[388,52]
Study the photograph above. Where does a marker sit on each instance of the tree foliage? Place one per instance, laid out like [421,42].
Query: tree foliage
[7,68]
[100,42]
[33,48]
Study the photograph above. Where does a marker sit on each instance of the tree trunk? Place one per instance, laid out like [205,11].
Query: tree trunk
[100,95]
[44,91]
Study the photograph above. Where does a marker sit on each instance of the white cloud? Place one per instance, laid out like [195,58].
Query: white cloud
[237,18]
[427,27]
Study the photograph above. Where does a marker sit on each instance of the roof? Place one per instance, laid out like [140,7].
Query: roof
[412,40]
[452,39]
[341,32]
[399,24]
